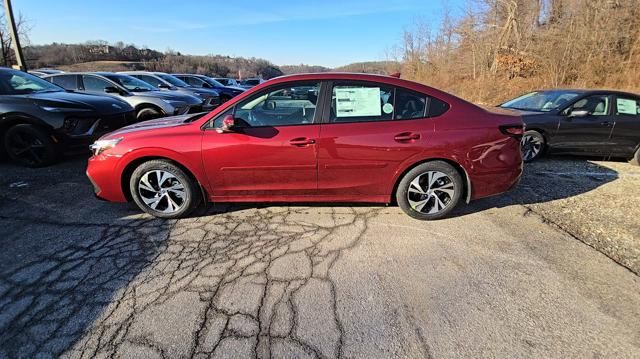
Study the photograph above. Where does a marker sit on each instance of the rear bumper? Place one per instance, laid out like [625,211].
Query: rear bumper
[495,182]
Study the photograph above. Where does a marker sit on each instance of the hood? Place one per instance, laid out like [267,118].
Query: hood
[523,112]
[164,122]
[171,96]
[102,104]
[202,90]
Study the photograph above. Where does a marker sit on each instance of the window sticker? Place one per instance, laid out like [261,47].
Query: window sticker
[627,107]
[387,108]
[358,102]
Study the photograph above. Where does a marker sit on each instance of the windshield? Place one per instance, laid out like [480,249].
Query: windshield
[13,82]
[130,83]
[225,82]
[173,80]
[541,101]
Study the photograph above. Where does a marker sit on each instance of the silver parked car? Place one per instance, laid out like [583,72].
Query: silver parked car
[163,81]
[148,102]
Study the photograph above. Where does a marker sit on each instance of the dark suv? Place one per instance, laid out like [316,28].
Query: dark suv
[226,92]
[39,120]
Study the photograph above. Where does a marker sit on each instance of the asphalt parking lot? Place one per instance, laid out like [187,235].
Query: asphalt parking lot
[504,277]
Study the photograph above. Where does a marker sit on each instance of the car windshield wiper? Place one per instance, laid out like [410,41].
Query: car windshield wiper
[139,89]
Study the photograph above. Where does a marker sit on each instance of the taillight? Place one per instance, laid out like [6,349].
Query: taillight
[515,131]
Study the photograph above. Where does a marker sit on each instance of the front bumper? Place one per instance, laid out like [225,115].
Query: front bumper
[101,171]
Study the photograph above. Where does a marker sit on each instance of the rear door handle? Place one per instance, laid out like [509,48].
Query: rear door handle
[407,136]
[302,141]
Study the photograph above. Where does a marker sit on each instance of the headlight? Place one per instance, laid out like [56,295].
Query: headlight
[102,145]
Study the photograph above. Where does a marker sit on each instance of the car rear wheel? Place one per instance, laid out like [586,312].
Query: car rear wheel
[532,145]
[147,113]
[30,146]
[164,190]
[430,191]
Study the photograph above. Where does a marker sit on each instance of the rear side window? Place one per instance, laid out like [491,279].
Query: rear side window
[68,82]
[437,107]
[409,105]
[627,106]
[361,102]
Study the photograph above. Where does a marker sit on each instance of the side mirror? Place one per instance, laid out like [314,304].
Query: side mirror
[270,105]
[111,89]
[228,124]
[578,113]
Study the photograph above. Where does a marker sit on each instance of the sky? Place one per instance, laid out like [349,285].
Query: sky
[328,33]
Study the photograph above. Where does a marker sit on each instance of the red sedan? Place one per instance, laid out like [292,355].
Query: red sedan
[327,137]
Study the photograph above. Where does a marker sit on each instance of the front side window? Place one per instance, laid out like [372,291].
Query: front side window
[150,80]
[279,107]
[13,82]
[596,105]
[130,83]
[627,106]
[361,102]
[173,80]
[66,81]
[194,81]
[93,83]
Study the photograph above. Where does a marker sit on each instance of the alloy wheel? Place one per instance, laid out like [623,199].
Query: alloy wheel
[531,147]
[162,191]
[431,192]
[26,147]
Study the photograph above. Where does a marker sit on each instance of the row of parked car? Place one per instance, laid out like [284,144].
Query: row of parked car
[46,112]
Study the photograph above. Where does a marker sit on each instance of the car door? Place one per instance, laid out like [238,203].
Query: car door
[626,132]
[271,151]
[369,130]
[586,126]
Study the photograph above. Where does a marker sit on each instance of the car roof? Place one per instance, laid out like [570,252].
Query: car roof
[351,76]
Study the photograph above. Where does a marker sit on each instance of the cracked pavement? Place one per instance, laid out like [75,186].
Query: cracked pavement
[84,278]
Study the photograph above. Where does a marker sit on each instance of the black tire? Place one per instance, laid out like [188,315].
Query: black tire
[534,141]
[147,113]
[188,201]
[30,146]
[635,160]
[421,173]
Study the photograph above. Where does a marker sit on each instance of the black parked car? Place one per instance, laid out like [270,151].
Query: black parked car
[39,120]
[226,92]
[580,122]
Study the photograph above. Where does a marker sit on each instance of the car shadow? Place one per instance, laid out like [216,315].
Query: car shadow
[65,256]
[545,180]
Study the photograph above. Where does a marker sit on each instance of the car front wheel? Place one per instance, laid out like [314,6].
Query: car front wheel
[430,190]
[164,190]
[30,146]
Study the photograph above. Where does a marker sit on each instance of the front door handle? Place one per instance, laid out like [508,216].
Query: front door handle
[302,141]
[407,137]
[607,123]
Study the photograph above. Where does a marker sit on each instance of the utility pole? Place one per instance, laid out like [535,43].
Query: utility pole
[15,39]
